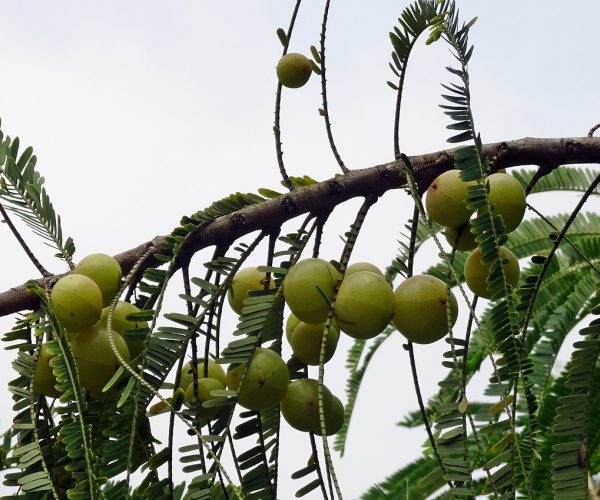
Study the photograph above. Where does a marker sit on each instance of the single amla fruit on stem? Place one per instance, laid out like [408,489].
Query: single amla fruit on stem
[306,339]
[120,324]
[476,273]
[44,380]
[95,359]
[265,383]
[76,301]
[246,280]
[421,309]
[308,289]
[293,70]
[105,271]
[214,370]
[445,199]
[364,305]
[507,198]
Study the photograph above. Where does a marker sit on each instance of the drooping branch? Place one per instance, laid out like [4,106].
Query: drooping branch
[328,194]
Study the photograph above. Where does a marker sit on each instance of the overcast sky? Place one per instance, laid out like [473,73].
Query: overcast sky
[143,111]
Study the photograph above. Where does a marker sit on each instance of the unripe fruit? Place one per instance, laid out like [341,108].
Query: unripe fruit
[334,419]
[294,70]
[362,266]
[290,324]
[300,405]
[214,370]
[460,237]
[96,362]
[119,323]
[445,200]
[508,196]
[244,281]
[306,340]
[364,305]
[308,288]
[476,273]
[76,301]
[420,313]
[205,387]
[105,271]
[43,378]
[265,383]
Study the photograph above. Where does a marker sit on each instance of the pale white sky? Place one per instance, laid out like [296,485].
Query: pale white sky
[141,112]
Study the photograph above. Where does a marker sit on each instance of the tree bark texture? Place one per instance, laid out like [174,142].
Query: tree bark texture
[546,153]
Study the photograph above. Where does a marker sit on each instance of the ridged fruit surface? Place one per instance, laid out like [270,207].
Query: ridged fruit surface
[508,196]
[306,339]
[300,406]
[105,271]
[445,199]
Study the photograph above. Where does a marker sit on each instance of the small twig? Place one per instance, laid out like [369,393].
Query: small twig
[324,92]
[21,241]
[277,125]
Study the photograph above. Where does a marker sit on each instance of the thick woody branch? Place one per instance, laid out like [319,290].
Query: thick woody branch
[326,195]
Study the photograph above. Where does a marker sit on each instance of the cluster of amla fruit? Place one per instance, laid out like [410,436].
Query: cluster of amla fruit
[446,203]
[80,302]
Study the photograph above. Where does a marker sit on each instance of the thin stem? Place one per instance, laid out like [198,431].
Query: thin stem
[593,129]
[24,246]
[277,125]
[324,91]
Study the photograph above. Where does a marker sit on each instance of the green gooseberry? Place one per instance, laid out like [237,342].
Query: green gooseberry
[507,196]
[362,266]
[294,70]
[461,238]
[246,280]
[308,289]
[76,301]
[205,387]
[306,339]
[445,199]
[44,381]
[120,324]
[265,383]
[95,359]
[420,309]
[364,305]
[476,273]
[300,405]
[214,370]
[105,271]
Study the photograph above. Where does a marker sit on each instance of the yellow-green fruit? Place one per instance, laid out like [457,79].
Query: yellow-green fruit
[420,314]
[308,288]
[334,419]
[362,266]
[265,383]
[290,324]
[293,70]
[364,305]
[306,339]
[120,324]
[105,271]
[300,406]
[445,200]
[477,273]
[508,197]
[76,301]
[43,378]
[244,281]
[214,370]
[96,362]
[460,237]
[205,387]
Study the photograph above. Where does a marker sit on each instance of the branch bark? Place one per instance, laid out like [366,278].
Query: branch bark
[328,194]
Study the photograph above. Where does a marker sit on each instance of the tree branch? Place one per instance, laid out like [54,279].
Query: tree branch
[326,195]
